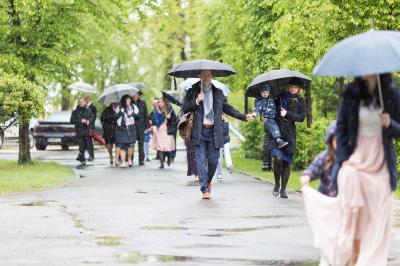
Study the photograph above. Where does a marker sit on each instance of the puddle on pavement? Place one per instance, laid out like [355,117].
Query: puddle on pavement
[109,241]
[270,216]
[163,228]
[36,203]
[136,257]
[248,229]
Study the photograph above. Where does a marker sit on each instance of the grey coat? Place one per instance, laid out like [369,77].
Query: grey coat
[219,105]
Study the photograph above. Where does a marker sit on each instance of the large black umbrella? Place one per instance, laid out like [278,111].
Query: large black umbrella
[173,97]
[190,69]
[278,81]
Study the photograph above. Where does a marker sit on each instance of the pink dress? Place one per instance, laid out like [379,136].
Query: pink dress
[363,208]
[161,140]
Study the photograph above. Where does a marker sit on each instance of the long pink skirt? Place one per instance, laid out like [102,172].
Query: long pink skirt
[161,140]
[362,209]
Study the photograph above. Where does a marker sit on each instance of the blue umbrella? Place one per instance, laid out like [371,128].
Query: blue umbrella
[372,52]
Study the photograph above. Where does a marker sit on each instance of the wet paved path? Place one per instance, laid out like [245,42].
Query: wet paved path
[147,216]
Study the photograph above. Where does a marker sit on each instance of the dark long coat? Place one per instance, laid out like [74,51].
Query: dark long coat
[93,109]
[347,129]
[81,130]
[109,124]
[219,105]
[296,112]
[142,121]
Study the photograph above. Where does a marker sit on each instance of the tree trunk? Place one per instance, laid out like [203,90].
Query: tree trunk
[24,155]
[309,108]
[65,99]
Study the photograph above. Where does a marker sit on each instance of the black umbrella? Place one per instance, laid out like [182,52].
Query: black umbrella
[190,69]
[278,81]
[173,97]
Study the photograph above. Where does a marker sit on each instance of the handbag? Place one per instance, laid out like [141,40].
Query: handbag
[185,126]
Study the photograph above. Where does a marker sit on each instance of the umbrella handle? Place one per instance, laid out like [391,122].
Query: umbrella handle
[380,92]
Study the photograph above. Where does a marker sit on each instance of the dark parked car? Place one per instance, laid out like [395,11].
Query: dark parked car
[57,130]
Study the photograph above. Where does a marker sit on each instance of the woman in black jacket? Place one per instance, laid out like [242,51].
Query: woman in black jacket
[292,109]
[360,218]
[125,136]
[109,125]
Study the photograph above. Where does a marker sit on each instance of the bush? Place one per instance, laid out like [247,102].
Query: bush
[253,132]
[310,142]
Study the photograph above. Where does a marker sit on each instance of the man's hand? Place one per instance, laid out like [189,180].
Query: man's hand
[83,121]
[249,117]
[283,112]
[122,110]
[87,122]
[385,120]
[305,180]
[200,97]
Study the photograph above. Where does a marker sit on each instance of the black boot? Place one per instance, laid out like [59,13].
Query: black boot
[161,156]
[285,179]
[277,176]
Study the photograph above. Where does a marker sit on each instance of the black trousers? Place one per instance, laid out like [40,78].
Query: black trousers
[281,173]
[84,143]
[90,147]
[140,141]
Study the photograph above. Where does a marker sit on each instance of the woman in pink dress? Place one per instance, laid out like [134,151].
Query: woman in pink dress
[354,228]
[164,128]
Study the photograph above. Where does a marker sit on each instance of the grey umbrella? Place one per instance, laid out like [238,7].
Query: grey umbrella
[138,85]
[190,69]
[82,87]
[277,80]
[115,92]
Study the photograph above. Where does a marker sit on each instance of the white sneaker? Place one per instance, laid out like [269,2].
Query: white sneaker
[219,177]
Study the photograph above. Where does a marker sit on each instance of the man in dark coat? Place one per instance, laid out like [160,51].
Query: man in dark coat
[207,102]
[81,118]
[141,124]
[93,109]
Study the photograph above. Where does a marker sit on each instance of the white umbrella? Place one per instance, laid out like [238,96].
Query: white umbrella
[115,92]
[82,87]
[188,83]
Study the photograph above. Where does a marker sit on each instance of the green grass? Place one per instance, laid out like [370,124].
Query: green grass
[253,167]
[35,176]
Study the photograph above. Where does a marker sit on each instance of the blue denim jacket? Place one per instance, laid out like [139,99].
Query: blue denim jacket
[347,129]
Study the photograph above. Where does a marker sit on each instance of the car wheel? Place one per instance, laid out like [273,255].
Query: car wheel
[41,144]
[1,139]
[31,140]
[64,147]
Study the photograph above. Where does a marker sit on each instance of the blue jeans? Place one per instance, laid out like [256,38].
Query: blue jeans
[207,156]
[272,128]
